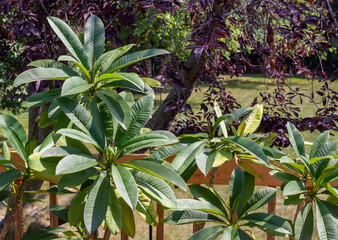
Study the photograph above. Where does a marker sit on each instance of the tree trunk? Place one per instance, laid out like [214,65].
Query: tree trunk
[189,74]
[192,69]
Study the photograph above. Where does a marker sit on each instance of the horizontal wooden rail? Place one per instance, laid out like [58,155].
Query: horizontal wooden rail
[222,178]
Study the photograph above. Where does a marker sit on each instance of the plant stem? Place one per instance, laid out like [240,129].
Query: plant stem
[82,233]
[17,200]
[213,175]
[6,205]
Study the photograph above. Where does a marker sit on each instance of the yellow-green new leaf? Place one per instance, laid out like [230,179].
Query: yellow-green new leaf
[252,122]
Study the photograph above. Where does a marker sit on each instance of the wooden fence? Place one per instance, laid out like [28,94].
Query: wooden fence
[223,177]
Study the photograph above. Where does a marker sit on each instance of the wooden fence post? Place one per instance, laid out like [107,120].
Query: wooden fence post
[272,210]
[53,200]
[160,225]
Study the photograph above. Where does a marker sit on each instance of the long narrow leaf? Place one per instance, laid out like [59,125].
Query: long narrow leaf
[49,63]
[157,170]
[134,58]
[97,202]
[250,146]
[38,74]
[125,185]
[75,163]
[15,133]
[69,39]
[94,39]
[304,223]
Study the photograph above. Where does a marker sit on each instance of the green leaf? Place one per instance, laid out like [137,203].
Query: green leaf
[247,191]
[69,39]
[326,226]
[237,113]
[117,106]
[107,59]
[184,158]
[205,160]
[8,177]
[221,156]
[74,85]
[191,216]
[147,209]
[97,202]
[94,39]
[125,185]
[294,187]
[252,122]
[155,188]
[47,143]
[304,223]
[71,59]
[327,149]
[164,152]
[75,163]
[134,58]
[152,82]
[129,81]
[38,74]
[250,146]
[49,63]
[275,224]
[235,186]
[320,140]
[45,233]
[104,117]
[206,195]
[6,153]
[230,233]
[114,213]
[192,204]
[76,178]
[61,151]
[259,199]
[44,119]
[296,140]
[332,190]
[4,194]
[140,113]
[210,233]
[59,211]
[151,139]
[45,168]
[75,213]
[128,220]
[294,199]
[40,98]
[285,177]
[79,115]
[157,170]
[15,134]
[75,134]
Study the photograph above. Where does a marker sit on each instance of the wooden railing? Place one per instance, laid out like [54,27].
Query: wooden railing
[222,178]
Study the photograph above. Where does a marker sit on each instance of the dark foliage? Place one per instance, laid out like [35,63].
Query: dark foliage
[275,37]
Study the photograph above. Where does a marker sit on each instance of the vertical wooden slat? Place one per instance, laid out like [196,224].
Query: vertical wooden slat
[53,200]
[18,218]
[160,226]
[124,236]
[272,210]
